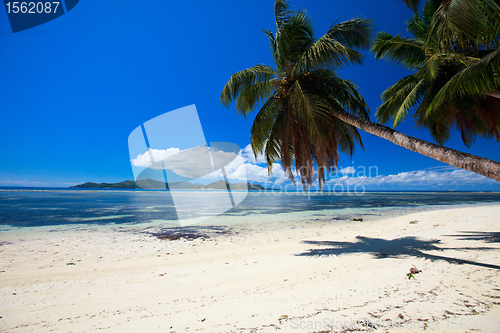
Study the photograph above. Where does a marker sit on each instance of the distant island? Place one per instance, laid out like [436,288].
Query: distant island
[152,184]
[221,185]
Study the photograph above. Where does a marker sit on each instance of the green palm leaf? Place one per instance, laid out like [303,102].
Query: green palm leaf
[353,33]
[412,4]
[405,51]
[255,94]
[458,23]
[242,80]
[263,124]
[394,97]
[335,49]
[456,58]
[480,78]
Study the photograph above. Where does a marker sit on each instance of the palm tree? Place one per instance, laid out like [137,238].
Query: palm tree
[455,56]
[295,122]
[412,4]
[308,113]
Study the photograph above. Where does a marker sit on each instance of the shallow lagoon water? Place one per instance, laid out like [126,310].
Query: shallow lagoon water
[23,209]
[35,209]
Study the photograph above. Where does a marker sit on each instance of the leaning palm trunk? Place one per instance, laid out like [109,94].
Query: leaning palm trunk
[479,165]
[495,94]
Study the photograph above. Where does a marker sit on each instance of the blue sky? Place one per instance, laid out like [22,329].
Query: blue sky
[73,89]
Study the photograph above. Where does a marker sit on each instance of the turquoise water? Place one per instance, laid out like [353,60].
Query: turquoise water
[22,208]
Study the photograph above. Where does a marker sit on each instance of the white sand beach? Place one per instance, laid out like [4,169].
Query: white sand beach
[352,276]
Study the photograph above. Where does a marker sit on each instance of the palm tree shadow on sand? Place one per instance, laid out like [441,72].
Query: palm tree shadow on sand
[487,237]
[400,247]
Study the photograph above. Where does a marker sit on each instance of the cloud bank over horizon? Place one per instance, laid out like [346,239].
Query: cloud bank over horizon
[368,178]
[246,167]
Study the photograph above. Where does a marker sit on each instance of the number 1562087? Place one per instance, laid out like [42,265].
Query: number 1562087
[32,7]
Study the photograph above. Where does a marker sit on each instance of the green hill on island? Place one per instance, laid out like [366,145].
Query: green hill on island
[221,185]
[125,184]
[159,185]
[149,184]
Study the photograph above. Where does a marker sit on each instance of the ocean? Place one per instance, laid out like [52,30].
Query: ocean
[63,208]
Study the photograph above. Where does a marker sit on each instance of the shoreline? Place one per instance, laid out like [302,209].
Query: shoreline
[257,222]
[291,278]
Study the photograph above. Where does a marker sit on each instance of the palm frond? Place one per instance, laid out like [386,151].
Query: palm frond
[275,52]
[353,33]
[412,4]
[411,100]
[282,12]
[428,11]
[440,126]
[349,137]
[327,53]
[310,110]
[417,27]
[430,69]
[272,148]
[335,49]
[480,78]
[457,70]
[404,51]
[255,94]
[343,91]
[293,38]
[243,79]
[263,123]
[394,96]
[458,23]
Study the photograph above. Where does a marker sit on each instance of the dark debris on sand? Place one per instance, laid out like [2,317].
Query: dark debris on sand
[191,233]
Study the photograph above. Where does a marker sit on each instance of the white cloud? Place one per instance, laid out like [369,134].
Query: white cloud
[144,160]
[249,156]
[245,167]
[436,178]
[27,183]
[259,173]
[428,179]
[195,163]
[17,182]
[191,163]
[250,172]
[347,171]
